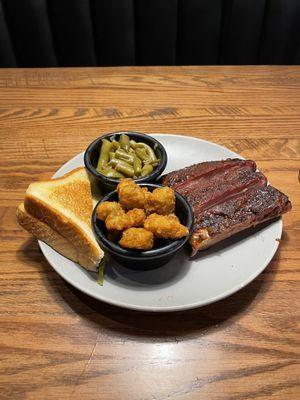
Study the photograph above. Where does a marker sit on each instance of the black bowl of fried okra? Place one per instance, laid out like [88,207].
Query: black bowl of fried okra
[145,243]
[120,155]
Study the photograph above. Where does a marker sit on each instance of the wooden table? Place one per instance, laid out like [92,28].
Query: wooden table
[57,343]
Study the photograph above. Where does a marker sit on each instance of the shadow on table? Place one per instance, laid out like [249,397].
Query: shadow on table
[146,324]
[175,323]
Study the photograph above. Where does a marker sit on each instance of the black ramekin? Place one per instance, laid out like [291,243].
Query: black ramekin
[106,184]
[149,259]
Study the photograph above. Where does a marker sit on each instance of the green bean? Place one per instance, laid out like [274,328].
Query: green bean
[137,166]
[112,155]
[133,143]
[125,168]
[146,170]
[155,163]
[113,162]
[115,145]
[122,155]
[124,142]
[111,173]
[141,153]
[126,158]
[101,271]
[104,154]
[130,162]
[149,150]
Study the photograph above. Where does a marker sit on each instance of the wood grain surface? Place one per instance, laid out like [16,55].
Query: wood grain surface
[59,344]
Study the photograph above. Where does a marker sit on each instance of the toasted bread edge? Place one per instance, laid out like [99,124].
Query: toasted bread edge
[89,252]
[44,232]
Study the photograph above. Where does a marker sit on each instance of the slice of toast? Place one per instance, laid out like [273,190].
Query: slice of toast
[65,205]
[43,232]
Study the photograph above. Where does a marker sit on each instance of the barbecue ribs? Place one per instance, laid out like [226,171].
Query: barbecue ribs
[227,197]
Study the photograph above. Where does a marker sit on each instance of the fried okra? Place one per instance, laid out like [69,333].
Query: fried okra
[165,226]
[131,195]
[107,207]
[137,216]
[160,201]
[137,238]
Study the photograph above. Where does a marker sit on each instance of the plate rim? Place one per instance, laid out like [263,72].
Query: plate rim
[162,309]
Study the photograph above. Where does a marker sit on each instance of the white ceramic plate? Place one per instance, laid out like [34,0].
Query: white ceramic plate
[181,284]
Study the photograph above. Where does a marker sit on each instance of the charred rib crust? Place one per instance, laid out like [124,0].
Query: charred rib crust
[251,207]
[175,178]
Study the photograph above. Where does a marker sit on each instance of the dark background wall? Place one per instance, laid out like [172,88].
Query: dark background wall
[46,33]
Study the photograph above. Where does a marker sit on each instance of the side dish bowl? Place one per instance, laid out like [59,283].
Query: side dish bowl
[106,184]
[162,252]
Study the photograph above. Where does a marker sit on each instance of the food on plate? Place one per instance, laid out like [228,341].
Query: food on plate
[117,221]
[131,195]
[160,201]
[126,158]
[195,171]
[44,232]
[227,197]
[137,216]
[105,208]
[58,212]
[237,213]
[137,238]
[101,271]
[135,203]
[165,226]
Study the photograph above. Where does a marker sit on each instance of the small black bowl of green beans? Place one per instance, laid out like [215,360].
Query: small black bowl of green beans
[119,155]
